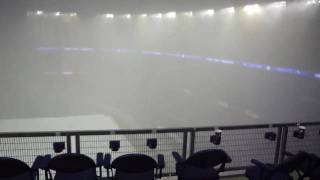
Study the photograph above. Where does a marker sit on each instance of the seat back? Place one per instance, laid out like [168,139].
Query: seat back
[208,158]
[287,166]
[14,169]
[315,175]
[134,166]
[291,163]
[73,167]
[280,176]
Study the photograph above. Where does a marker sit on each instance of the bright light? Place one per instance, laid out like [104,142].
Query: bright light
[159,15]
[39,12]
[73,14]
[109,16]
[144,15]
[310,2]
[189,14]
[171,15]
[252,9]
[279,4]
[229,10]
[128,16]
[209,12]
[57,14]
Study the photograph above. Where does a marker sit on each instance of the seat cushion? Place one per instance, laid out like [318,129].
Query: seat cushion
[89,174]
[194,173]
[149,175]
[253,173]
[24,176]
[256,173]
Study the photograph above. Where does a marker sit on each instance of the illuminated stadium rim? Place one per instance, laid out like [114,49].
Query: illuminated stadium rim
[249,9]
[261,67]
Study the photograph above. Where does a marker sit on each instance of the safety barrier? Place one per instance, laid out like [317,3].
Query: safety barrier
[267,142]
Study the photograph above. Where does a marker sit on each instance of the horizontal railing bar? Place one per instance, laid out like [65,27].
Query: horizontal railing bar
[231,127]
[148,131]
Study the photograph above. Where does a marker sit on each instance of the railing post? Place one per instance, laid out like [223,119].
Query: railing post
[69,143]
[78,144]
[192,143]
[283,143]
[185,144]
[278,145]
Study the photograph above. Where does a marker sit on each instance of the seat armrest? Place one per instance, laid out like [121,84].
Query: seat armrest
[99,159]
[36,164]
[177,157]
[107,161]
[161,162]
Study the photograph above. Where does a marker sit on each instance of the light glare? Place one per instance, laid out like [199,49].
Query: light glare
[128,16]
[190,13]
[58,13]
[73,14]
[39,12]
[110,16]
[143,15]
[279,4]
[310,2]
[171,15]
[252,9]
[209,12]
[159,15]
[229,10]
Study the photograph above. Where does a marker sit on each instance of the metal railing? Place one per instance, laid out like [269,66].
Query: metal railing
[242,143]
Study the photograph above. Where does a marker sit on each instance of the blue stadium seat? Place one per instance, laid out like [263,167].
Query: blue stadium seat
[14,169]
[315,175]
[200,165]
[309,167]
[282,171]
[71,167]
[134,166]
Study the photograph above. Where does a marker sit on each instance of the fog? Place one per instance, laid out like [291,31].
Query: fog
[155,72]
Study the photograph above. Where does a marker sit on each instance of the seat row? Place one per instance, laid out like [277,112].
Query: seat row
[202,165]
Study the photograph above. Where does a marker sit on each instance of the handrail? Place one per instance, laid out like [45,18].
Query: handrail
[150,130]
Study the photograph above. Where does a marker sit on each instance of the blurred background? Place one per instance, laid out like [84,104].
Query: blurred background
[148,63]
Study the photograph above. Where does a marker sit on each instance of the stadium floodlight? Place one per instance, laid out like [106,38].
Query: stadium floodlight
[311,2]
[171,15]
[128,16]
[109,16]
[159,15]
[39,12]
[189,13]
[209,12]
[279,4]
[252,9]
[229,10]
[73,14]
[144,15]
